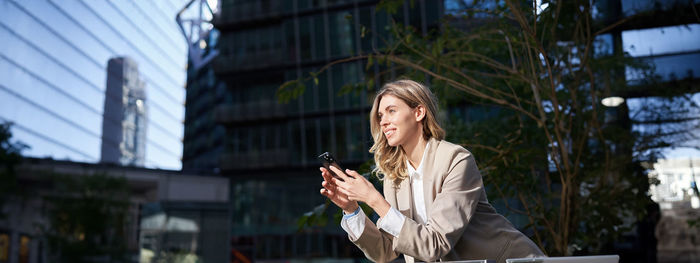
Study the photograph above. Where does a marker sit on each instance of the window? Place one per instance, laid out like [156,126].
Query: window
[342,124]
[305,37]
[290,41]
[311,126]
[24,247]
[324,91]
[320,37]
[4,247]
[295,141]
[672,50]
[326,137]
[356,146]
[365,21]
[340,34]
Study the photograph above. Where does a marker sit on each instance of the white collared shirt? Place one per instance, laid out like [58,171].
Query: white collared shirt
[393,221]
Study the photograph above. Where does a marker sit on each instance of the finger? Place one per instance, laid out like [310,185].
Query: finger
[338,199]
[353,173]
[340,173]
[328,185]
[343,191]
[338,183]
[326,175]
[330,194]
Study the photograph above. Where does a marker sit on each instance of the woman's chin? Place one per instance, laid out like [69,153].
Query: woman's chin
[392,143]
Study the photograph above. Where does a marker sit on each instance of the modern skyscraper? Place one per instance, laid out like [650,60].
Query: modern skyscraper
[125,113]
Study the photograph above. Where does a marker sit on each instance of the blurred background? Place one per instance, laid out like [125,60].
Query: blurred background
[188,130]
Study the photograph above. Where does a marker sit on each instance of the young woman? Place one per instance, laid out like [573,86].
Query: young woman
[434,205]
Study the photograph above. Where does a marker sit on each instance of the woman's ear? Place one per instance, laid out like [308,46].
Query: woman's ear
[420,113]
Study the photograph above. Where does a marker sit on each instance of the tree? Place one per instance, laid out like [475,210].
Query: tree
[531,79]
[10,157]
[87,218]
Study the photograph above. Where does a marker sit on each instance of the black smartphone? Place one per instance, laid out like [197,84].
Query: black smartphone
[328,160]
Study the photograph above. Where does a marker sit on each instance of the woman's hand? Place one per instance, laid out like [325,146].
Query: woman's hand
[330,190]
[357,188]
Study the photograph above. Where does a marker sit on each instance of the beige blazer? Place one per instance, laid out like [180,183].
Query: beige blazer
[461,225]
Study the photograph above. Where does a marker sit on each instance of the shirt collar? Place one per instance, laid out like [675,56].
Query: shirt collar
[419,171]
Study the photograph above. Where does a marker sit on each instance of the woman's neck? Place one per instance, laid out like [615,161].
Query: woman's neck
[414,150]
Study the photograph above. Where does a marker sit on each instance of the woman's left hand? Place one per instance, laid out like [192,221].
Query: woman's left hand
[358,188]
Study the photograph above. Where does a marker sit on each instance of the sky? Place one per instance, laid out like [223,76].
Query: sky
[53,73]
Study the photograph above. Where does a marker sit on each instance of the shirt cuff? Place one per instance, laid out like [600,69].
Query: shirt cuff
[392,222]
[353,224]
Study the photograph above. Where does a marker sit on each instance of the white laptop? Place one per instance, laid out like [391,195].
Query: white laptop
[583,259]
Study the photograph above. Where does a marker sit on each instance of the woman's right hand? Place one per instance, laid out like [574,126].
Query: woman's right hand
[330,190]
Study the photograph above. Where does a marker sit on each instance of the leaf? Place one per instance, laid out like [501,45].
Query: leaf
[390,6]
[370,62]
[345,89]
[315,217]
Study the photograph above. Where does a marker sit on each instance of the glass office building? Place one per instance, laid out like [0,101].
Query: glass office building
[203,142]
[53,68]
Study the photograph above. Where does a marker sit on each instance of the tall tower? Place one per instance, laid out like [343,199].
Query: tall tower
[125,120]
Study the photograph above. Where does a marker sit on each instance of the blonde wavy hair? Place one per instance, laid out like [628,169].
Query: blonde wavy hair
[391,160]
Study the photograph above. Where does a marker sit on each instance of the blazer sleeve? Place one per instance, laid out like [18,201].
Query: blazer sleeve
[450,212]
[376,244]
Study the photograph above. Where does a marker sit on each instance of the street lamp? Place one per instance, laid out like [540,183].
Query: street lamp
[612,101]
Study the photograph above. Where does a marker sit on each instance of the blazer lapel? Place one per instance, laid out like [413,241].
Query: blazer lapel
[404,198]
[429,175]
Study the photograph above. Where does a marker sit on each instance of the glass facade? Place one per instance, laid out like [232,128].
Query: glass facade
[54,68]
[203,142]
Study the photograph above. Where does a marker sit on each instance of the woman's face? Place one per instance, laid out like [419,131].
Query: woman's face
[399,122]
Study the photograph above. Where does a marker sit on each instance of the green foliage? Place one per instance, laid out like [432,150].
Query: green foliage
[10,157]
[291,90]
[391,6]
[87,216]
